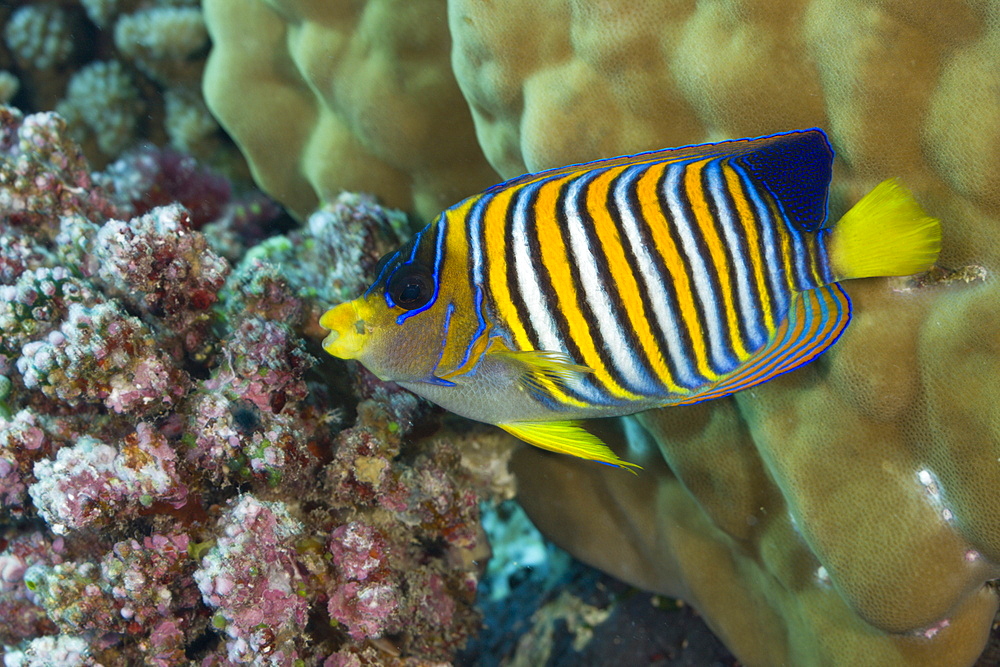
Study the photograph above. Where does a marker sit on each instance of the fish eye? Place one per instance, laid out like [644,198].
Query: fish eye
[410,286]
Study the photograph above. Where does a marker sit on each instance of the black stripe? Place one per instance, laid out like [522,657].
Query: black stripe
[601,345]
[632,202]
[728,252]
[699,308]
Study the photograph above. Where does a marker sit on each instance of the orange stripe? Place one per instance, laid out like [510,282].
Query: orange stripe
[787,263]
[657,224]
[495,254]
[750,226]
[709,232]
[555,261]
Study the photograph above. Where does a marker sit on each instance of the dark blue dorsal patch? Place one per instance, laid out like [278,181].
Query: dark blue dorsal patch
[795,168]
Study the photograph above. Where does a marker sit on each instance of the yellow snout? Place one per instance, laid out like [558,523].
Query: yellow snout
[347,328]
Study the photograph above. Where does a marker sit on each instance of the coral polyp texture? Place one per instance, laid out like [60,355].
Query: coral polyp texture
[364,94]
[843,514]
[178,484]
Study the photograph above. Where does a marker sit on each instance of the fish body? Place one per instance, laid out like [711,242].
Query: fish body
[616,286]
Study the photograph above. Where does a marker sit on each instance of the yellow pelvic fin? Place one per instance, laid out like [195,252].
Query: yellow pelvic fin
[885,234]
[567,437]
[540,366]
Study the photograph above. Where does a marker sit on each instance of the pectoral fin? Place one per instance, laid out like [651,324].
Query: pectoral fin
[567,437]
[538,368]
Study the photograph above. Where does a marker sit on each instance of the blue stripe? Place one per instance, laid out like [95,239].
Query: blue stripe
[440,227]
[378,278]
[477,333]
[448,312]
[822,237]
[772,265]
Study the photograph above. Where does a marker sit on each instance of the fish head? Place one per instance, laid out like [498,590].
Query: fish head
[398,326]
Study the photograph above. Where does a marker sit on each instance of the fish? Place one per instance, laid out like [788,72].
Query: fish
[629,283]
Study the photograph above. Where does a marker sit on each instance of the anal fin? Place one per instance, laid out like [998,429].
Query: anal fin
[815,321]
[567,437]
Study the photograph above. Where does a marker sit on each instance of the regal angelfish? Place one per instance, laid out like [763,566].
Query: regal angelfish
[635,282]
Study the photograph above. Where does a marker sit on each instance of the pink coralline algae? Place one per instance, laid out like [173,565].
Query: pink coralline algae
[254,578]
[177,485]
[134,586]
[154,264]
[365,598]
[102,354]
[93,483]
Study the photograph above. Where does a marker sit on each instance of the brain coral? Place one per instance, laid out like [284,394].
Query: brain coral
[843,514]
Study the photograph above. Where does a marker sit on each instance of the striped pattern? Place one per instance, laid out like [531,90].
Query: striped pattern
[670,274]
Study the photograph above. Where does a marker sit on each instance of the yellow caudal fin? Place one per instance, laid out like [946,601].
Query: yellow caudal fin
[566,437]
[884,234]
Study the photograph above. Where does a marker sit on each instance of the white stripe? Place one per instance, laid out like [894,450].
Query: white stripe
[800,256]
[620,352]
[475,234]
[748,310]
[772,253]
[529,286]
[663,310]
[528,281]
[699,269]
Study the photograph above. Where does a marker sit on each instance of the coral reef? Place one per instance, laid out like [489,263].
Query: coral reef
[39,36]
[120,73]
[845,512]
[176,482]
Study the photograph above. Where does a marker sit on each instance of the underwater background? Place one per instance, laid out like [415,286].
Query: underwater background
[186,478]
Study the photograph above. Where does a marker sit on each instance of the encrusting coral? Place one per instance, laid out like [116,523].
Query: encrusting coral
[176,482]
[845,513]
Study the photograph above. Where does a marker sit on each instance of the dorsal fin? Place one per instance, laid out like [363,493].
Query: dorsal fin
[795,167]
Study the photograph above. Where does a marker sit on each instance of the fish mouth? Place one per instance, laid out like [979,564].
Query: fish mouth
[346,339]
